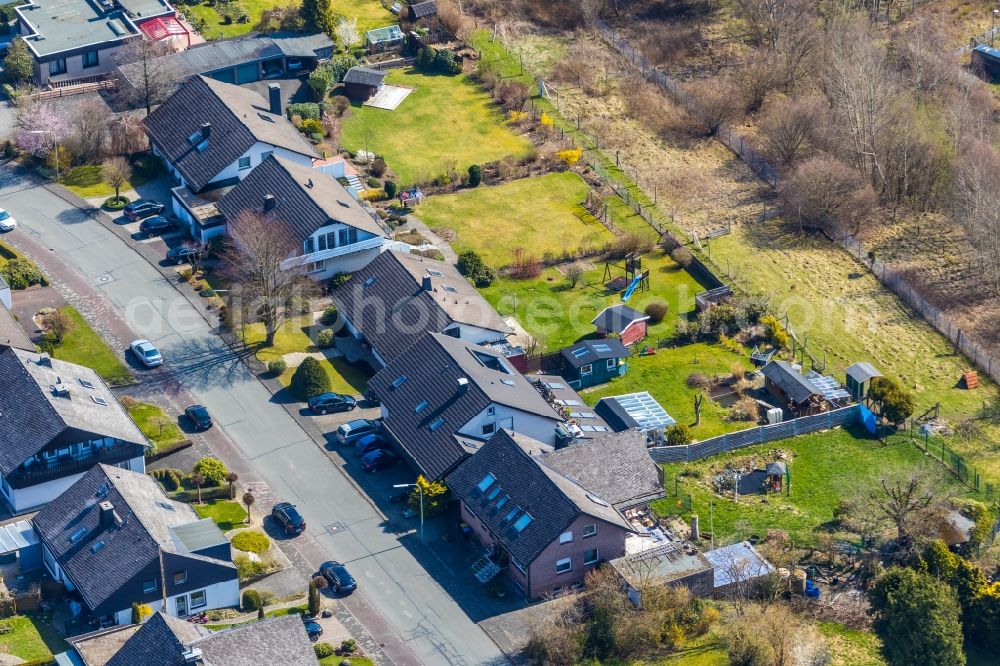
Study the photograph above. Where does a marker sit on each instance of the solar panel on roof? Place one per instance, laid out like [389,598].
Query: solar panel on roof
[602,348]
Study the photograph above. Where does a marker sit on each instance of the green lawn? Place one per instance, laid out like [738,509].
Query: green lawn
[301,609]
[294,337]
[542,215]
[369,14]
[227,515]
[156,426]
[446,122]
[84,346]
[334,660]
[825,468]
[705,650]
[85,181]
[664,375]
[32,639]
[851,646]
[558,315]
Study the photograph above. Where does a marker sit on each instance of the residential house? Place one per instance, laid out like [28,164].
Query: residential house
[73,40]
[400,297]
[58,420]
[212,135]
[114,538]
[443,397]
[543,528]
[164,640]
[622,322]
[333,232]
[594,362]
[240,60]
[362,83]
[793,390]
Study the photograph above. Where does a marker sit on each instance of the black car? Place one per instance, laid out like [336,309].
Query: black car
[182,253]
[155,225]
[325,403]
[312,628]
[143,208]
[289,517]
[199,417]
[379,459]
[338,576]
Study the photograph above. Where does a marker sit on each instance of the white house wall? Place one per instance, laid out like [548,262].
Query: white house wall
[37,496]
[524,423]
[256,157]
[218,595]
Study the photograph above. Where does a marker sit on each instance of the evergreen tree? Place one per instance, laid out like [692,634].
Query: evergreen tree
[309,380]
[317,15]
[19,66]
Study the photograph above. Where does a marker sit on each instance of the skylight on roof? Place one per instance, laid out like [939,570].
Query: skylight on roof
[193,139]
[436,273]
[596,500]
[522,522]
[421,406]
[555,385]
[167,505]
[513,512]
[503,500]
[602,348]
[508,382]
[370,281]
[436,423]
[99,400]
[202,147]
[398,381]
[449,288]
[581,352]
[77,535]
[493,493]
[97,546]
[86,383]
[486,483]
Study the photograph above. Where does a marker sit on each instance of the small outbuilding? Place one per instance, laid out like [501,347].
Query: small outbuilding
[423,10]
[859,379]
[623,322]
[635,411]
[593,362]
[361,83]
[775,476]
[737,569]
[384,39]
[795,391]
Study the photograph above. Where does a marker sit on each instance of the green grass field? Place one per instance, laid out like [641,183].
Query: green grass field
[227,515]
[557,314]
[664,375]
[156,425]
[446,122]
[84,346]
[293,337]
[368,13]
[85,181]
[825,468]
[32,639]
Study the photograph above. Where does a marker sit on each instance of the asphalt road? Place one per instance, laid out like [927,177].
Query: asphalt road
[395,592]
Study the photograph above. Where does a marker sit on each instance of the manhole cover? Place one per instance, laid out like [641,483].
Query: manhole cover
[105,278]
[334,528]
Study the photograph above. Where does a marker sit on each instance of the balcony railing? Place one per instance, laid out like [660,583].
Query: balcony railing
[41,472]
[332,252]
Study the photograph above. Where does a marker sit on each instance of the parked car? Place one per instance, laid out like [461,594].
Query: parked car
[352,431]
[338,576]
[199,416]
[7,221]
[182,253]
[399,496]
[289,517]
[325,403]
[155,225]
[147,354]
[143,208]
[313,628]
[379,459]
[369,443]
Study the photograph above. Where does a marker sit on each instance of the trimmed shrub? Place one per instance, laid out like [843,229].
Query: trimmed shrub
[324,339]
[22,273]
[320,81]
[323,650]
[309,379]
[378,166]
[312,126]
[390,189]
[698,380]
[656,311]
[277,366]
[251,541]
[252,600]
[213,469]
[484,277]
[247,568]
[374,183]
[425,59]
[677,435]
[475,175]
[305,110]
[329,317]
[682,256]
[116,203]
[470,263]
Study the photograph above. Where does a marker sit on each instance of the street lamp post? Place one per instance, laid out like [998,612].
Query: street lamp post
[421,491]
[55,141]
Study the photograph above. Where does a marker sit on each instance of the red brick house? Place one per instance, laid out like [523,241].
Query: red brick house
[622,322]
[535,510]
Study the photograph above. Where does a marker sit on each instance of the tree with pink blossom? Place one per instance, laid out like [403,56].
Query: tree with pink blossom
[38,128]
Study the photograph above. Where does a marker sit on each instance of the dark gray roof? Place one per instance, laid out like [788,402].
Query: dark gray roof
[617,467]
[280,640]
[617,318]
[792,383]
[777,468]
[552,500]
[11,333]
[305,199]
[365,76]
[160,641]
[32,415]
[301,45]
[615,415]
[589,351]
[432,368]
[147,516]
[387,302]
[421,10]
[199,535]
[862,372]
[239,118]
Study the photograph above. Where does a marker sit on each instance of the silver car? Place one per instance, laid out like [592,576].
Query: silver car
[147,354]
[7,221]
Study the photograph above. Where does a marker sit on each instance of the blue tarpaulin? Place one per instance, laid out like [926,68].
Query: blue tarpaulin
[867,419]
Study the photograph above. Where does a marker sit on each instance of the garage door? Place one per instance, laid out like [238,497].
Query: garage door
[247,73]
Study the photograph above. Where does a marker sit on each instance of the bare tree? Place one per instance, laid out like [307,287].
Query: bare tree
[977,204]
[198,480]
[116,171]
[89,123]
[825,194]
[717,102]
[127,134]
[903,502]
[574,272]
[261,259]
[150,79]
[790,127]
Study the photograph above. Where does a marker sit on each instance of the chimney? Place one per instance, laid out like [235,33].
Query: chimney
[107,514]
[463,384]
[44,359]
[427,283]
[269,202]
[192,655]
[274,98]
[206,130]
[60,389]
[695,533]
[309,183]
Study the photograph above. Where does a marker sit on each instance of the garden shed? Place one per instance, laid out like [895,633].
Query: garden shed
[384,39]
[422,10]
[623,322]
[594,362]
[793,389]
[635,411]
[859,379]
[361,83]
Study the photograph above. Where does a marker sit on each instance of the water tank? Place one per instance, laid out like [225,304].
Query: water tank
[775,415]
[799,581]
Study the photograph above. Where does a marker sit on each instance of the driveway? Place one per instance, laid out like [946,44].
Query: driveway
[402,603]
